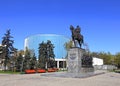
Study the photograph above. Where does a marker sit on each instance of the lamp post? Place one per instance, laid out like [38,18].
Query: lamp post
[22,63]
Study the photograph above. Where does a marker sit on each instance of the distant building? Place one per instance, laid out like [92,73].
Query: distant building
[97,61]
[32,43]
[60,63]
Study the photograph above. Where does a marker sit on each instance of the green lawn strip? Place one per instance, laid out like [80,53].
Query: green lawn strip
[9,72]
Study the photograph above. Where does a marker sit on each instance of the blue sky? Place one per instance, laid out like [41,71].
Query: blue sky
[99,20]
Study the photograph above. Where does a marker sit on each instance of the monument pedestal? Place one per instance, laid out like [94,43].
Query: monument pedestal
[75,61]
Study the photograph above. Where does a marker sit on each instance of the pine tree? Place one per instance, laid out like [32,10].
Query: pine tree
[27,57]
[33,62]
[41,58]
[9,49]
[19,62]
[51,55]
[46,55]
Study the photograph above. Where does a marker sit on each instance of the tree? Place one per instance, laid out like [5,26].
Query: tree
[95,54]
[2,51]
[7,42]
[29,60]
[68,45]
[42,55]
[13,60]
[107,57]
[117,60]
[26,58]
[86,48]
[51,55]
[46,55]
[20,52]
[19,62]
[33,62]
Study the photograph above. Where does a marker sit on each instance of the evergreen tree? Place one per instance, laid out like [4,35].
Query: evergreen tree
[42,56]
[46,55]
[51,55]
[2,52]
[13,60]
[26,58]
[33,62]
[19,63]
[7,42]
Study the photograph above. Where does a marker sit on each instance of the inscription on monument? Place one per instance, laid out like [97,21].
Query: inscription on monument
[72,56]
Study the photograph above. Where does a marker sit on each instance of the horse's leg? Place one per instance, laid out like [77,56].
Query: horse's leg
[81,39]
[79,43]
[74,42]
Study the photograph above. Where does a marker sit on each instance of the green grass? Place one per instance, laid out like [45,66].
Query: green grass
[62,70]
[117,71]
[8,72]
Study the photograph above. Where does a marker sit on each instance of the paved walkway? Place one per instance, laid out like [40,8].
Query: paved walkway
[107,79]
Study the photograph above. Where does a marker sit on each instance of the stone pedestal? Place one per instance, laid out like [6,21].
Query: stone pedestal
[74,60]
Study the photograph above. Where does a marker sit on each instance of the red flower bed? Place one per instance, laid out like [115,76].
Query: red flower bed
[51,70]
[30,71]
[41,70]
[56,69]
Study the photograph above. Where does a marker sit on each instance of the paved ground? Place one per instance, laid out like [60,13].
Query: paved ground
[107,79]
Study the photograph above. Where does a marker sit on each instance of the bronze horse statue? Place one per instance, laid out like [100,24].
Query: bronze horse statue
[76,36]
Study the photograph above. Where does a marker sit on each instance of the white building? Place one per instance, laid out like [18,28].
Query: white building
[97,61]
[62,63]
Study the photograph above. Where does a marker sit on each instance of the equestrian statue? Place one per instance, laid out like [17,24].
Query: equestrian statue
[76,36]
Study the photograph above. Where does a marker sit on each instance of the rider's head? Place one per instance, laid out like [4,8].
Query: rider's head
[78,28]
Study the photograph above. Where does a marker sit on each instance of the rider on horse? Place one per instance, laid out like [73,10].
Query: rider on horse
[76,35]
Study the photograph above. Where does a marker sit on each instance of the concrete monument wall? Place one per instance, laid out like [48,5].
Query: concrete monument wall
[74,60]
